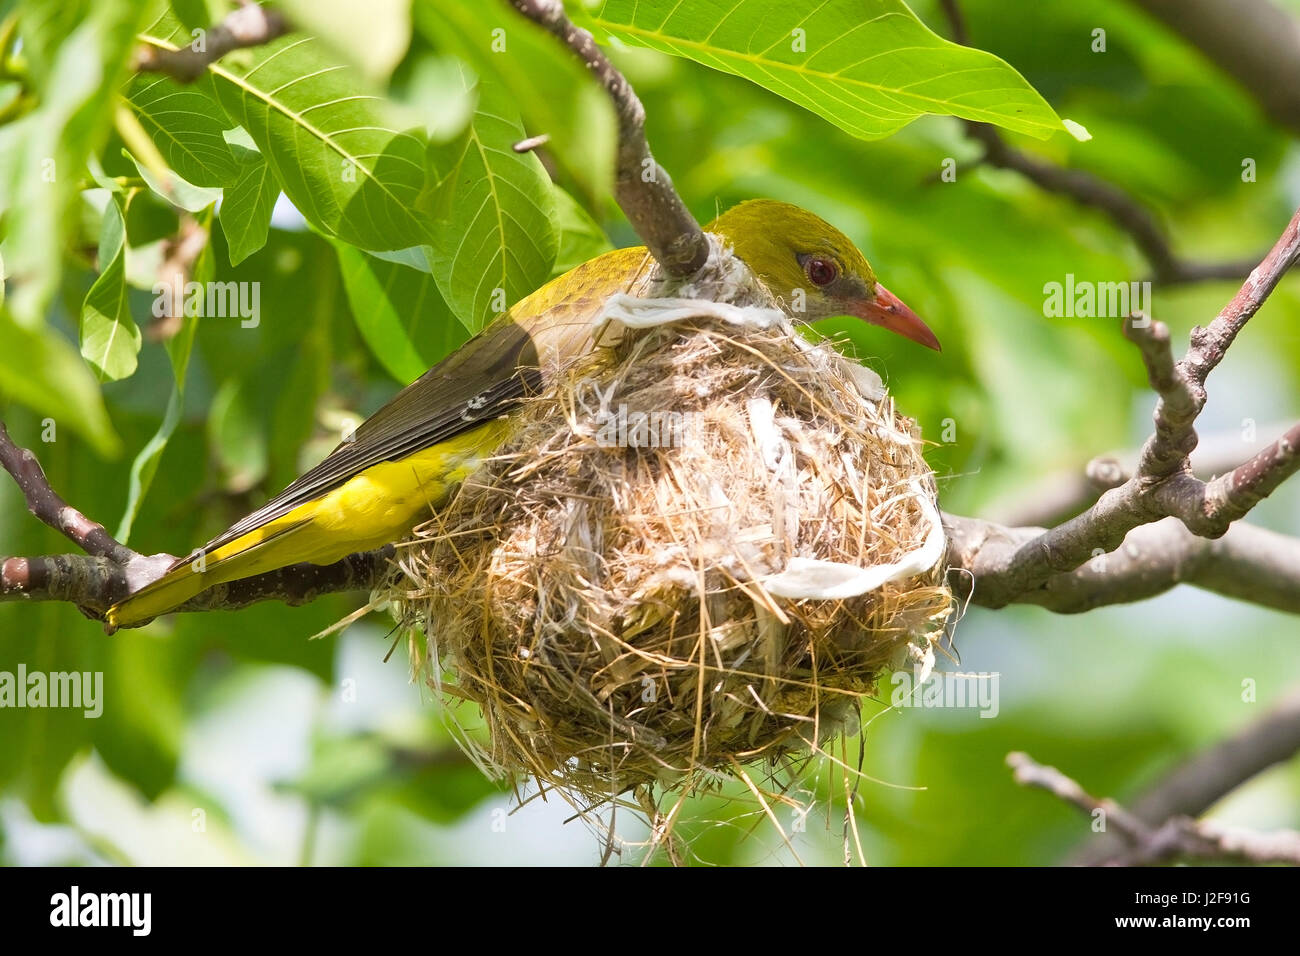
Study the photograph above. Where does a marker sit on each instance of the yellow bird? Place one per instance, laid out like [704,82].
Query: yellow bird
[409,457]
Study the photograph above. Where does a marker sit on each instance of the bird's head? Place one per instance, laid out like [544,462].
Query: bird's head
[806,262]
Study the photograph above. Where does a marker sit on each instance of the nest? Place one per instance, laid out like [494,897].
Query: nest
[699,549]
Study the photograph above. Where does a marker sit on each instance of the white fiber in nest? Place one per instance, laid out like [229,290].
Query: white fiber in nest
[810,578]
[767,437]
[638,313]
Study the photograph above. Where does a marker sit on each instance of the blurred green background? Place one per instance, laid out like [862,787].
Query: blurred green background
[235,738]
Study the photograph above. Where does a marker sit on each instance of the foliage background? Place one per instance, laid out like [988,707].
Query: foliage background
[242,715]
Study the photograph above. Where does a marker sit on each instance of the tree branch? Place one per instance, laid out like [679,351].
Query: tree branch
[1063,493]
[1163,484]
[1195,786]
[1247,563]
[1231,496]
[1254,41]
[1178,838]
[248,25]
[642,187]
[92,583]
[1123,209]
[96,583]
[299,583]
[110,570]
[46,505]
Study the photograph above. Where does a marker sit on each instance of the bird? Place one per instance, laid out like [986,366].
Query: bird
[405,461]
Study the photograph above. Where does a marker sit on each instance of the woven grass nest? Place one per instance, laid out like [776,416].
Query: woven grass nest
[698,551]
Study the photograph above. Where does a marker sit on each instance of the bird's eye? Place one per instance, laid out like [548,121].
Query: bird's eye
[820,271]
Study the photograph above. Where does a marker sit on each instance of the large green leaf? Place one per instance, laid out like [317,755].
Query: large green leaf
[45,373]
[433,94]
[236,438]
[247,205]
[186,125]
[581,237]
[110,339]
[332,147]
[176,189]
[374,43]
[399,313]
[868,66]
[548,84]
[74,53]
[494,240]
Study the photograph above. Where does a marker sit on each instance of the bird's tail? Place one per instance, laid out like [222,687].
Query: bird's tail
[271,546]
[182,582]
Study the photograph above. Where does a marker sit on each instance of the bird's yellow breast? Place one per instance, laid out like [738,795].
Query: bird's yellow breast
[376,507]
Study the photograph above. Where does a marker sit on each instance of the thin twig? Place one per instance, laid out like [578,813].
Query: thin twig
[1178,838]
[46,504]
[1163,485]
[531,143]
[246,26]
[642,187]
[180,255]
[1195,786]
[1063,493]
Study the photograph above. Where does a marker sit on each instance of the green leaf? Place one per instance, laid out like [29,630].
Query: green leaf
[194,14]
[186,125]
[581,238]
[331,146]
[247,205]
[548,85]
[868,66]
[494,240]
[74,55]
[179,348]
[147,219]
[434,95]
[44,372]
[177,190]
[399,313]
[416,257]
[236,438]
[145,465]
[110,339]
[374,43]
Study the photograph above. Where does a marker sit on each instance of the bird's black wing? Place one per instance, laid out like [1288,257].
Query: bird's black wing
[479,381]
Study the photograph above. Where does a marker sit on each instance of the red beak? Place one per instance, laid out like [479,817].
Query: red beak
[888,311]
